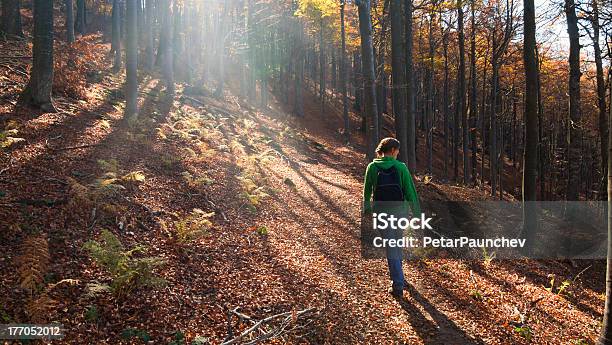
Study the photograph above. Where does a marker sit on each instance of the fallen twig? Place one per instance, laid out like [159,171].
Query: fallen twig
[287,319]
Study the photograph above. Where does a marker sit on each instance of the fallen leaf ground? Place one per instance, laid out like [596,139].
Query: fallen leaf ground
[285,236]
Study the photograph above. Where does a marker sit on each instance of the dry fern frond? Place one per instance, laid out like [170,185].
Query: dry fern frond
[40,309]
[33,262]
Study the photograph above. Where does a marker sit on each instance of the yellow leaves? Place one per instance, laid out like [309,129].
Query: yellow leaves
[134,176]
[193,226]
[315,9]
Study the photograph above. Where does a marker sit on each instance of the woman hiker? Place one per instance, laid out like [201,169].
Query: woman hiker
[390,184]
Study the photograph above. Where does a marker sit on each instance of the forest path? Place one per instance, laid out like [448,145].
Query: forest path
[317,239]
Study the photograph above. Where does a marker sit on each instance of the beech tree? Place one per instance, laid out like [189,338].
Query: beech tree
[368,74]
[131,61]
[399,77]
[37,93]
[69,21]
[11,18]
[574,101]
[530,171]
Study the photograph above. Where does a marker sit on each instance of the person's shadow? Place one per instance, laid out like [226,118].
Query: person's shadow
[435,330]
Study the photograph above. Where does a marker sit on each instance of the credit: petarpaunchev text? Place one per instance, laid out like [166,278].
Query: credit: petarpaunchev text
[385,221]
[434,242]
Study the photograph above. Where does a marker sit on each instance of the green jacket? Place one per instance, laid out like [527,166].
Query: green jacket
[408,188]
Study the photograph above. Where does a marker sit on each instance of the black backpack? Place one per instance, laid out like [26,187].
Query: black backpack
[388,185]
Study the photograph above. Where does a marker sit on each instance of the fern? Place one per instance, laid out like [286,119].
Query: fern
[194,226]
[33,262]
[127,272]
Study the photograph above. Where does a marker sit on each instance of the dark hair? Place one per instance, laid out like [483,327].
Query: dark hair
[386,145]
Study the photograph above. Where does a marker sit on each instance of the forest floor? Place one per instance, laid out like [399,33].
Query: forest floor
[284,236]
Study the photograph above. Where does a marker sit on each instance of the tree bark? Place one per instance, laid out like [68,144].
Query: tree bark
[131,61]
[530,153]
[460,113]
[80,18]
[605,337]
[38,90]
[410,101]
[473,91]
[574,101]
[150,49]
[369,83]
[69,21]
[399,78]
[116,35]
[345,115]
[601,93]
[11,18]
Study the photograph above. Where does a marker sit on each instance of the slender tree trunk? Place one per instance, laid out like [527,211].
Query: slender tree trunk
[574,101]
[116,35]
[167,55]
[221,54]
[343,77]
[150,49]
[11,18]
[605,337]
[321,66]
[530,153]
[69,21]
[80,17]
[131,61]
[399,77]
[446,105]
[473,91]
[493,158]
[461,97]
[410,100]
[601,94]
[299,71]
[38,90]
[369,83]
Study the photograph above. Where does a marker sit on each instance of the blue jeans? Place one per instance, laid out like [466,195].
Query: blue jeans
[394,259]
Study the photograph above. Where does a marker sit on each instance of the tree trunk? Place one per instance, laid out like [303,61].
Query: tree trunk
[446,104]
[343,78]
[131,61]
[410,108]
[69,21]
[369,83]
[605,337]
[473,91]
[399,78]
[601,94]
[430,94]
[38,90]
[116,35]
[321,67]
[11,18]
[574,101]
[166,47]
[80,17]
[530,153]
[493,127]
[150,49]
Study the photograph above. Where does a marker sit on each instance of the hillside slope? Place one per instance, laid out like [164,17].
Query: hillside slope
[284,236]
